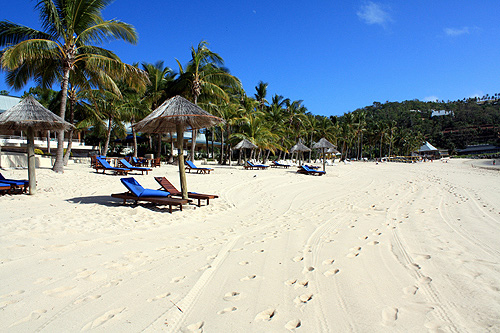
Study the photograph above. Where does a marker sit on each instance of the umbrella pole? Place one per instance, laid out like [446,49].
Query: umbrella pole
[182,169]
[31,160]
[323,151]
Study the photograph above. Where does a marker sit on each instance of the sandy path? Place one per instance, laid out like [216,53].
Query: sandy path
[368,247]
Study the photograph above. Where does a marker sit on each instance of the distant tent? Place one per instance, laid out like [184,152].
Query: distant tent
[427,147]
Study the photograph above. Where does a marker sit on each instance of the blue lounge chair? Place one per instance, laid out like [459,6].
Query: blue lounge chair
[278,164]
[103,165]
[16,184]
[304,169]
[127,165]
[190,166]
[138,193]
[136,161]
[252,166]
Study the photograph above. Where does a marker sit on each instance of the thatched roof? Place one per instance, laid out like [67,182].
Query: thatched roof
[323,143]
[245,144]
[176,110]
[299,147]
[333,150]
[30,114]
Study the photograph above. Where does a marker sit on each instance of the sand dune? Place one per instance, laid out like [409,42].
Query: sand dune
[366,248]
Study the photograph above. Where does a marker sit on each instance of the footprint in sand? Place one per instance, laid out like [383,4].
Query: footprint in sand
[303,299]
[13,293]
[84,274]
[411,290]
[373,243]
[249,277]
[63,291]
[297,259]
[258,251]
[103,319]
[389,316]
[363,237]
[204,268]
[226,310]
[290,282]
[4,304]
[266,315]
[42,280]
[331,272]
[32,316]
[293,324]
[328,261]
[413,266]
[177,279]
[112,283]
[423,257]
[243,263]
[308,269]
[232,296]
[352,255]
[86,299]
[425,279]
[196,327]
[158,297]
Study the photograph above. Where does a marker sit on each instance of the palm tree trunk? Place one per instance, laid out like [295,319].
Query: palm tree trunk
[108,137]
[222,158]
[158,149]
[48,142]
[182,170]
[31,160]
[59,163]
[70,134]
[194,134]
[134,136]
[171,158]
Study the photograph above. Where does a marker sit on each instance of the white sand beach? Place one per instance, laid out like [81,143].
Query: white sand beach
[366,248]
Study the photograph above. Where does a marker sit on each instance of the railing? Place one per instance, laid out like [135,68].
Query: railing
[6,138]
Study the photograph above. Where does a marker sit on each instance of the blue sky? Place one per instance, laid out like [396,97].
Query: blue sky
[334,55]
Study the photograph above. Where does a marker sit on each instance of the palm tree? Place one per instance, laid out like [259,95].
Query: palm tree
[260,95]
[205,77]
[70,29]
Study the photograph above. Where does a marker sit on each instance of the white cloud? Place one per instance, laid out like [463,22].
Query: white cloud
[457,32]
[431,99]
[373,13]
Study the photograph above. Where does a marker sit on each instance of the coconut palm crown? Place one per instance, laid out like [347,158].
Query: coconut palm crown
[70,27]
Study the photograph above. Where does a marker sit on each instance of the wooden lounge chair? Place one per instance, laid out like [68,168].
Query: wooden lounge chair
[5,188]
[167,186]
[251,166]
[138,193]
[276,164]
[190,166]
[127,165]
[156,162]
[304,169]
[103,165]
[21,185]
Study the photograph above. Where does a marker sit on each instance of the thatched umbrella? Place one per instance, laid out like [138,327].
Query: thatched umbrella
[244,144]
[30,116]
[299,147]
[177,114]
[323,144]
